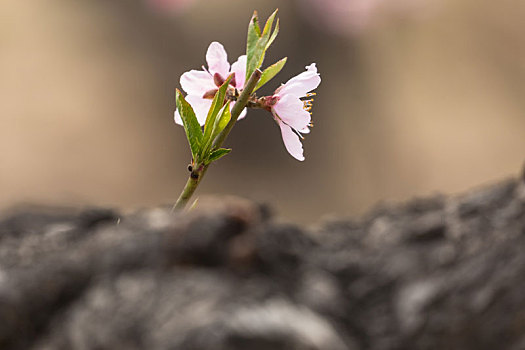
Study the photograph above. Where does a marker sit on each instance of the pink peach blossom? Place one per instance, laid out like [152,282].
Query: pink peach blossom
[201,85]
[355,16]
[169,6]
[292,112]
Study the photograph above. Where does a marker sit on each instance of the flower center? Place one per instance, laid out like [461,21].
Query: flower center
[308,101]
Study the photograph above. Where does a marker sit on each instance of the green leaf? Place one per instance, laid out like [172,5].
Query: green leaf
[254,33]
[274,35]
[218,153]
[223,118]
[269,24]
[270,72]
[191,124]
[220,121]
[255,53]
[267,35]
[216,105]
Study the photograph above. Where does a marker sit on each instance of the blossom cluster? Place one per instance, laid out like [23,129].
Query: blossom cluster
[219,95]
[289,106]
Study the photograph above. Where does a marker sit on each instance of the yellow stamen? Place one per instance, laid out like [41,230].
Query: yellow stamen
[308,102]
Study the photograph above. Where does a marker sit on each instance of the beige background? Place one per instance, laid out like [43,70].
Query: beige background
[411,103]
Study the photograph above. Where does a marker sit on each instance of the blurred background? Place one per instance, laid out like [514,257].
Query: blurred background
[417,97]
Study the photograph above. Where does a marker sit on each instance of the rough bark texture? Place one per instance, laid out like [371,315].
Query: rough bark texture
[435,273]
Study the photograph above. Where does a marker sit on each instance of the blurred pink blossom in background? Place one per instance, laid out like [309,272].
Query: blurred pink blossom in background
[353,16]
[170,6]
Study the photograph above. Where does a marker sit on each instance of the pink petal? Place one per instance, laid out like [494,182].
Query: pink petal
[177,118]
[302,83]
[217,59]
[243,114]
[291,110]
[239,68]
[311,68]
[291,142]
[197,82]
[200,106]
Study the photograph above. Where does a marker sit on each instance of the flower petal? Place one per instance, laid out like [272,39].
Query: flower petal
[291,110]
[311,68]
[239,68]
[197,82]
[201,107]
[177,118]
[291,141]
[243,114]
[302,83]
[217,59]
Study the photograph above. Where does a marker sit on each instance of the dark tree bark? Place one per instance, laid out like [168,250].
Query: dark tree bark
[434,273]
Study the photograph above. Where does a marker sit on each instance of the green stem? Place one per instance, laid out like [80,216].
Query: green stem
[191,185]
[200,169]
